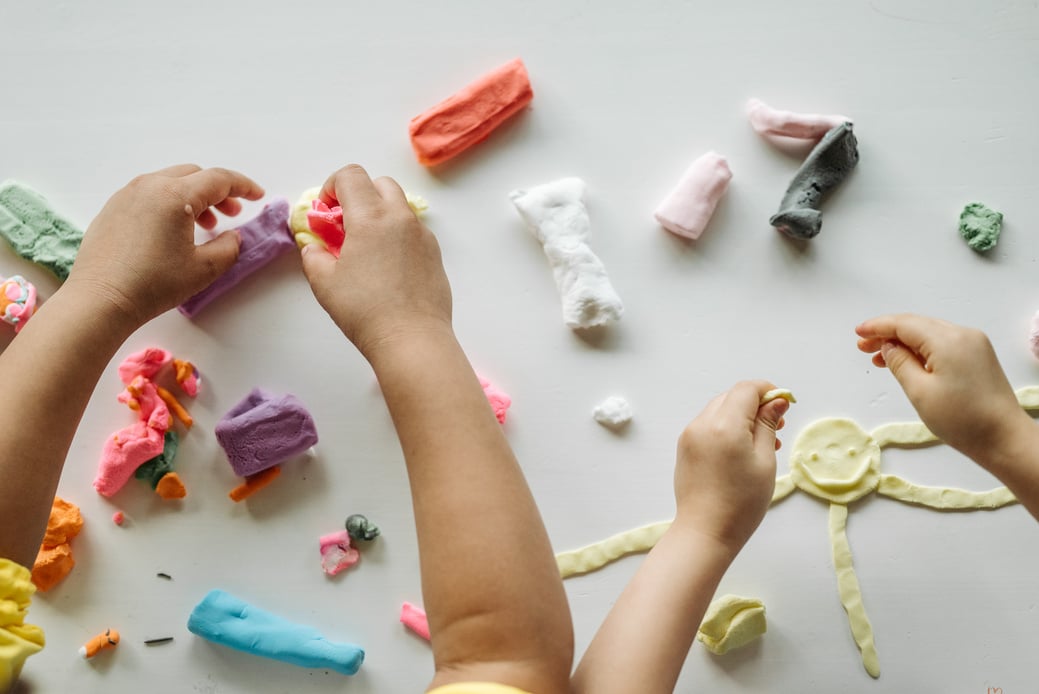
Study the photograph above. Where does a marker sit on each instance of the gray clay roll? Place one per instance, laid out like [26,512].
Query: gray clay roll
[826,167]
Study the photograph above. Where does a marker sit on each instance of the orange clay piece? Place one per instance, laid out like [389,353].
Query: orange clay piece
[174,406]
[95,645]
[171,487]
[54,560]
[469,116]
[254,483]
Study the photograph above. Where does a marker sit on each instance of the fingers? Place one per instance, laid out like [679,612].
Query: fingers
[351,188]
[178,170]
[318,265]
[390,191]
[903,363]
[913,331]
[218,255]
[213,186]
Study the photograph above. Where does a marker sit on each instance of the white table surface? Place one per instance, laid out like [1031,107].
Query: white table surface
[626,95]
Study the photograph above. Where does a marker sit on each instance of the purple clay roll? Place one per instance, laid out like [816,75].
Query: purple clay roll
[263,430]
[264,238]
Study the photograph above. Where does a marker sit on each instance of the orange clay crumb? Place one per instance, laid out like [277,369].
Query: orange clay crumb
[118,517]
[54,560]
[254,483]
[174,405]
[95,645]
[171,487]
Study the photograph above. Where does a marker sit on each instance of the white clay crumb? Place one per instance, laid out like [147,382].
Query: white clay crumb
[613,412]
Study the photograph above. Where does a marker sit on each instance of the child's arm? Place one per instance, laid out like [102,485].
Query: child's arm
[724,478]
[954,380]
[138,259]
[496,605]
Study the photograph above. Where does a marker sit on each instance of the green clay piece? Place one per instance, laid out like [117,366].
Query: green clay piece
[35,231]
[155,469]
[980,226]
[360,528]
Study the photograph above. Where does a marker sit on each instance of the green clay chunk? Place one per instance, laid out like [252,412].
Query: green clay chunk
[156,468]
[360,528]
[35,230]
[980,226]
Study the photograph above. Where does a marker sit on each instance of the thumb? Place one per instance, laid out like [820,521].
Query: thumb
[216,256]
[902,362]
[767,422]
[318,265]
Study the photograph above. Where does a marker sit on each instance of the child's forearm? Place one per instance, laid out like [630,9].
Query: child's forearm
[48,374]
[1016,462]
[645,639]
[496,605]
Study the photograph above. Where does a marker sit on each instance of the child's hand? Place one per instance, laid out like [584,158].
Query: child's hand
[139,254]
[952,377]
[389,280]
[726,468]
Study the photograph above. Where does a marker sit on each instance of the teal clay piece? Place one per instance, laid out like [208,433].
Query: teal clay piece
[980,226]
[35,231]
[156,468]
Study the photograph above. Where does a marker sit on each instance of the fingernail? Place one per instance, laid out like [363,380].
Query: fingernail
[305,249]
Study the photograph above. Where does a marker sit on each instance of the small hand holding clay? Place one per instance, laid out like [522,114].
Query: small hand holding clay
[724,477]
[953,378]
[727,464]
[139,254]
[389,280]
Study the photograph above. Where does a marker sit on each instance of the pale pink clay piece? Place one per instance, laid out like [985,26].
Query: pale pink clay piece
[688,208]
[803,126]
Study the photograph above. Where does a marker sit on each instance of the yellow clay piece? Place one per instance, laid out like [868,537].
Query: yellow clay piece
[595,556]
[732,622]
[850,593]
[777,393]
[944,498]
[905,434]
[835,460]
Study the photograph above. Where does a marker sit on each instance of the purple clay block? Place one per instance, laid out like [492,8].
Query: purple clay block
[263,430]
[264,238]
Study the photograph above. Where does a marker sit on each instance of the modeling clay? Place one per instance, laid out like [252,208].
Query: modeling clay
[980,226]
[556,216]
[187,377]
[164,576]
[54,560]
[158,641]
[336,552]
[171,487]
[148,363]
[17,301]
[263,239]
[414,618]
[804,126]
[254,483]
[326,223]
[418,204]
[129,448]
[35,231]
[174,406]
[152,471]
[469,116]
[613,412]
[688,208]
[101,642]
[330,233]
[228,621]
[595,556]
[500,402]
[118,518]
[825,168]
[358,527]
[264,430]
[731,622]
[777,393]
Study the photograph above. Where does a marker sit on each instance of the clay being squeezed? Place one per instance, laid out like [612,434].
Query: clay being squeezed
[825,168]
